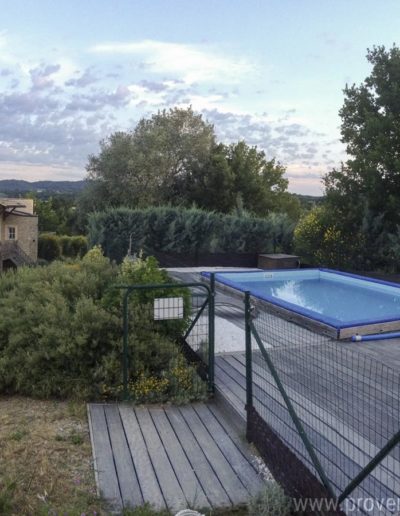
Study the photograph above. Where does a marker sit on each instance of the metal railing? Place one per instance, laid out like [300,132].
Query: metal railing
[335,409]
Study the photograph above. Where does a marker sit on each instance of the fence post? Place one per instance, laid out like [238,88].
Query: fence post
[211,333]
[125,366]
[249,371]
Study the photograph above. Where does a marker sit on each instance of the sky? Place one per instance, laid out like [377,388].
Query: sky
[271,72]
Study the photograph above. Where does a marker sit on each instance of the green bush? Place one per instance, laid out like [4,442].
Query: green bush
[187,231]
[73,246]
[49,247]
[66,341]
[321,239]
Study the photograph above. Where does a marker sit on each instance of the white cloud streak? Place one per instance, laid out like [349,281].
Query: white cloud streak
[194,64]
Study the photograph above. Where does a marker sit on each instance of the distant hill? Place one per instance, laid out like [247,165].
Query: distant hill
[17,187]
[308,202]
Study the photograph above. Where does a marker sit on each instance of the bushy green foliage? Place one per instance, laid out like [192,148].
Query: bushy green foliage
[52,246]
[67,338]
[49,247]
[73,246]
[61,341]
[319,240]
[158,370]
[187,231]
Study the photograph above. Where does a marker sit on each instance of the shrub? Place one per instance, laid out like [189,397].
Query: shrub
[67,338]
[320,240]
[73,246]
[63,338]
[158,369]
[49,247]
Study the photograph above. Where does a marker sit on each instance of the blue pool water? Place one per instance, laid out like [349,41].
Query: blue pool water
[338,299]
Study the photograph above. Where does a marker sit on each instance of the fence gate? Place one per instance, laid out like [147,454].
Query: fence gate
[325,415]
[168,340]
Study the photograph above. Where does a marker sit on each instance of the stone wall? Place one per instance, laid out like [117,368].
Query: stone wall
[27,233]
[26,226]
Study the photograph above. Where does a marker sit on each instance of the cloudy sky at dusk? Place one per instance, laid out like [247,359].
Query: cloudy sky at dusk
[267,71]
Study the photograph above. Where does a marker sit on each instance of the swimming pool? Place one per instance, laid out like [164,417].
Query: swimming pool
[344,303]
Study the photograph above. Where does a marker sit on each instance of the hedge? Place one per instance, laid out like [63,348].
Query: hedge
[187,231]
[51,246]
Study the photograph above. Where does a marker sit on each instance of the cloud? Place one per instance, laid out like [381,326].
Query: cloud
[84,80]
[157,87]
[189,62]
[41,76]
[27,103]
[100,99]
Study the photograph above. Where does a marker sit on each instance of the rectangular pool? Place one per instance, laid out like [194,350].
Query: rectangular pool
[346,303]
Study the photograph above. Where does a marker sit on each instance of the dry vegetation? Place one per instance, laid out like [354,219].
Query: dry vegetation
[45,459]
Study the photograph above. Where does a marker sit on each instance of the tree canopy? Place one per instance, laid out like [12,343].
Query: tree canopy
[146,165]
[174,158]
[370,128]
[363,196]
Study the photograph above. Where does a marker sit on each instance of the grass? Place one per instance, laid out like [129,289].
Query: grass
[46,459]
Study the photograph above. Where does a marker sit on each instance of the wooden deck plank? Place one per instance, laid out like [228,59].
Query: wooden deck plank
[211,484]
[127,479]
[234,451]
[172,491]
[346,439]
[103,457]
[347,456]
[188,481]
[336,464]
[149,485]
[347,399]
[229,479]
[234,398]
[239,362]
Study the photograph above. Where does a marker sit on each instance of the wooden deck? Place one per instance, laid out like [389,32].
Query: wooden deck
[171,457]
[344,440]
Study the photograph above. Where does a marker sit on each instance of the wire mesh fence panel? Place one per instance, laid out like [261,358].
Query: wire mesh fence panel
[347,402]
[166,354]
[198,337]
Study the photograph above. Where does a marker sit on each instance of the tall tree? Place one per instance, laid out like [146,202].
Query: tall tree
[173,158]
[145,166]
[361,215]
[370,178]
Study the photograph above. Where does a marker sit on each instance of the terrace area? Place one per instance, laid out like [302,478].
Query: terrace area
[346,397]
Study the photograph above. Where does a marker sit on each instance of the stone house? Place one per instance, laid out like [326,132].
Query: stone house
[18,233]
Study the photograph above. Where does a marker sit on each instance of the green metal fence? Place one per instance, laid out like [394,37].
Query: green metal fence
[168,334]
[330,405]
